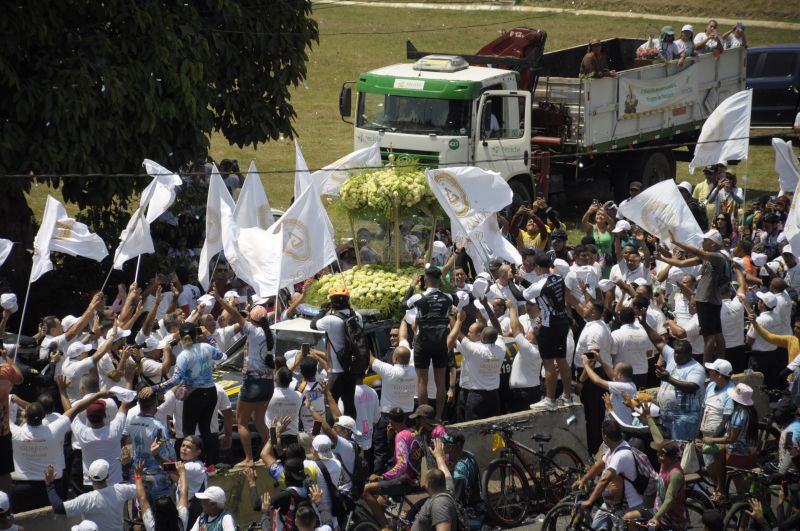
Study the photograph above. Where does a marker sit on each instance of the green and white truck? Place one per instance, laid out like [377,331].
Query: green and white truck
[528,115]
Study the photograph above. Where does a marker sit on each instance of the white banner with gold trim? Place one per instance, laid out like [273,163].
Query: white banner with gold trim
[637,97]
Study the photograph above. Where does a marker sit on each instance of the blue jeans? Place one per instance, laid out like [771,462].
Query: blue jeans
[682,426]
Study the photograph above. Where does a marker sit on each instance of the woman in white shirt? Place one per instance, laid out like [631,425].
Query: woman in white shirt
[191,455]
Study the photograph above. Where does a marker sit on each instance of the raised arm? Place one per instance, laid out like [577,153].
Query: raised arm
[149,320]
[85,318]
[237,318]
[82,404]
[588,367]
[455,330]
[586,223]
[128,304]
[700,253]
[655,339]
[513,317]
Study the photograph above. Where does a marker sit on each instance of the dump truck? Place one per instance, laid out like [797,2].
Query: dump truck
[528,115]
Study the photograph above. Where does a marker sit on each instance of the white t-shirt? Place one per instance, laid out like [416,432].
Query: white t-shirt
[104,506]
[783,312]
[256,348]
[770,322]
[152,369]
[732,317]
[669,397]
[312,391]
[484,362]
[196,474]
[622,411]
[189,295]
[632,346]
[692,329]
[35,447]
[527,365]
[334,327]
[101,443]
[624,464]
[107,365]
[225,337]
[620,271]
[73,370]
[285,402]
[398,385]
[60,463]
[595,335]
[174,407]
[63,345]
[334,470]
[150,522]
[346,454]
[718,403]
[368,413]
[733,41]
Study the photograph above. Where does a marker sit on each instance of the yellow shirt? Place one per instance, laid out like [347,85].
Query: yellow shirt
[526,241]
[700,192]
[790,343]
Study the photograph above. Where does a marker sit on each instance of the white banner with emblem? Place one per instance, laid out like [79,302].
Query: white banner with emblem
[641,96]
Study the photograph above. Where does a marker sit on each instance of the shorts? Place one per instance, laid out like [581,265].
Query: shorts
[6,455]
[256,389]
[395,487]
[748,462]
[425,354]
[552,341]
[709,317]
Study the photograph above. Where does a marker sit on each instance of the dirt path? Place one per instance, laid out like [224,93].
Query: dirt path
[724,22]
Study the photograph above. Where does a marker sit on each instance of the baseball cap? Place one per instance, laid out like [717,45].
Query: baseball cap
[8,301]
[214,494]
[86,525]
[710,169]
[740,25]
[667,30]
[68,321]
[347,422]
[688,27]
[621,225]
[610,205]
[78,348]
[559,235]
[723,367]
[605,285]
[686,185]
[208,303]
[641,282]
[121,334]
[758,259]
[424,411]
[494,264]
[439,249]
[396,414]
[96,409]
[635,185]
[98,470]
[293,470]
[151,344]
[714,236]
[768,298]
[561,267]
[5,504]
[322,445]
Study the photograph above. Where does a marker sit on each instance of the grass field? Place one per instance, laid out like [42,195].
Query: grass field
[356,39]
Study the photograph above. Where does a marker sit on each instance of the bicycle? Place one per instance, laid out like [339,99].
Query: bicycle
[507,480]
[760,487]
[362,519]
[567,515]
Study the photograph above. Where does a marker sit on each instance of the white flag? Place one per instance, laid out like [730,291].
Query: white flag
[135,240]
[726,133]
[242,264]
[5,249]
[329,179]
[661,209]
[469,194]
[497,246]
[217,194]
[786,165]
[252,208]
[792,226]
[258,259]
[160,193]
[302,177]
[59,232]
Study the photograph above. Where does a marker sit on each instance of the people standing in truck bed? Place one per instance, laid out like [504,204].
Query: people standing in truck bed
[594,62]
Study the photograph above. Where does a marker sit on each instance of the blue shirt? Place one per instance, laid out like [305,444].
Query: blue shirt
[740,420]
[143,430]
[193,368]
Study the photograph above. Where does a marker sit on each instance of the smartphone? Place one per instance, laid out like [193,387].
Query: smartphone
[316,428]
[305,349]
[168,466]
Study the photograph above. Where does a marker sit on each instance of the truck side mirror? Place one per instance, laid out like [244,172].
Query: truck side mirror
[345,101]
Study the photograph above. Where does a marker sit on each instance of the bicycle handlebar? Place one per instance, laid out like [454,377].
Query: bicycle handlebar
[509,426]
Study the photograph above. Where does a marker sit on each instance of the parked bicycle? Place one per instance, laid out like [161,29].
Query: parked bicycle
[507,480]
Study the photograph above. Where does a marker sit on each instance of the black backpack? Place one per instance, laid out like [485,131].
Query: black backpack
[462,521]
[354,355]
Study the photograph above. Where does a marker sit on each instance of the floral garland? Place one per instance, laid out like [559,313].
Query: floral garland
[375,192]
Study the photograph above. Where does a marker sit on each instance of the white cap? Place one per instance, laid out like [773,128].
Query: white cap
[322,445]
[782,237]
[621,225]
[605,285]
[787,249]
[348,423]
[439,249]
[231,294]
[214,494]
[8,301]
[411,316]
[769,299]
[738,261]
[208,302]
[758,259]
[686,185]
[480,285]
[689,28]
[86,525]
[723,367]
[714,236]
[5,504]
[121,333]
[641,282]
[77,348]
[561,267]
[98,470]
[151,344]
[774,266]
[68,321]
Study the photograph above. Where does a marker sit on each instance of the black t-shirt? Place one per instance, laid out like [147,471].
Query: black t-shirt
[550,294]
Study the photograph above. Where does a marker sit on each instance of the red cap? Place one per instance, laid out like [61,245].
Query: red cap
[97,409]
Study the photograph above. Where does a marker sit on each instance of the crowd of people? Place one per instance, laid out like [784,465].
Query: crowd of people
[124,405]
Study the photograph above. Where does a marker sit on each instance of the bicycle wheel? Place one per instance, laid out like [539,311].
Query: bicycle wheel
[736,519]
[562,517]
[365,526]
[694,515]
[507,492]
[562,467]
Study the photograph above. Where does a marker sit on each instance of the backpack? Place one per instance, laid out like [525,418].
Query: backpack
[295,503]
[646,480]
[462,522]
[354,355]
[358,476]
[339,508]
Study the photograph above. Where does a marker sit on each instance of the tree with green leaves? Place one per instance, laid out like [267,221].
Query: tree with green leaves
[92,88]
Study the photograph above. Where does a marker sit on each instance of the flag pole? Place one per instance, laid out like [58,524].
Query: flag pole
[22,318]
[121,244]
[138,265]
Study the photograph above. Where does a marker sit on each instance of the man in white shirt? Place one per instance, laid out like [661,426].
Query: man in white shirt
[632,346]
[77,363]
[783,309]
[526,368]
[104,505]
[285,402]
[55,330]
[595,336]
[620,384]
[398,383]
[35,446]
[791,269]
[765,357]
[732,319]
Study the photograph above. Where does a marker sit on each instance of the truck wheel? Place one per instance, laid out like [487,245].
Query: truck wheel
[657,166]
[522,194]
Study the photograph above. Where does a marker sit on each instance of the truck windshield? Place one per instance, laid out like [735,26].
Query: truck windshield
[414,115]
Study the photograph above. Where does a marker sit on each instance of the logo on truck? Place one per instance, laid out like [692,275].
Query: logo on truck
[454,143]
[453,192]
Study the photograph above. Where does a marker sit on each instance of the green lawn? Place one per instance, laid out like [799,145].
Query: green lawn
[356,39]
